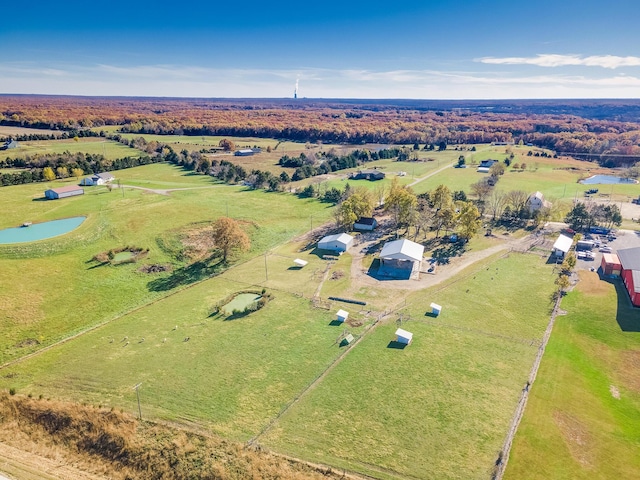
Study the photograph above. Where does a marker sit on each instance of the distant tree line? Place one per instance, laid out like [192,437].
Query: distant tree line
[47,167]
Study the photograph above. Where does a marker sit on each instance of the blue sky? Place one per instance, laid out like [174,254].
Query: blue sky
[349,49]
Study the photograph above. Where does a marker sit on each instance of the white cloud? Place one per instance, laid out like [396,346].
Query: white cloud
[196,81]
[554,60]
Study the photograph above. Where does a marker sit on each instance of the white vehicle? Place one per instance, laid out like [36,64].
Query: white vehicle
[605,249]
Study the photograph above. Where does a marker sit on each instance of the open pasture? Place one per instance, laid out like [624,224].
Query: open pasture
[439,408]
[230,374]
[8,131]
[95,146]
[52,288]
[583,414]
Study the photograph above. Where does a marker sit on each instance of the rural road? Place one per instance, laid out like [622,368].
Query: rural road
[435,172]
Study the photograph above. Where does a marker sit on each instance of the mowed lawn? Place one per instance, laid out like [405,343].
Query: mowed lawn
[232,376]
[52,288]
[441,407]
[91,145]
[583,416]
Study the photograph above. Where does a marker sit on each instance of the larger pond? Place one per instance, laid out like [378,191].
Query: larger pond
[40,231]
[606,180]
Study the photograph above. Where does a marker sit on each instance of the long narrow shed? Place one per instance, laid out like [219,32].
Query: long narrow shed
[63,192]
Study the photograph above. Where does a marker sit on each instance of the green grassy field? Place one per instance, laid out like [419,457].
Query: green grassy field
[231,375]
[7,131]
[96,146]
[583,416]
[439,408]
[52,289]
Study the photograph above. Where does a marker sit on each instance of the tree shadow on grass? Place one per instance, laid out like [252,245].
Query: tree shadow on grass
[187,275]
[446,251]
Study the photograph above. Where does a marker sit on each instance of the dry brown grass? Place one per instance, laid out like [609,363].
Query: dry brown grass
[111,444]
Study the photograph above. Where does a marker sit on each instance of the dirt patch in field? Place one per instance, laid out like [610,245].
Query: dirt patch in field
[576,437]
[337,275]
[591,284]
[155,268]
[27,342]
[628,370]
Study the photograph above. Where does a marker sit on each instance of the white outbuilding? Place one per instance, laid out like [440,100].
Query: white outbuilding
[342,316]
[300,263]
[401,259]
[340,242]
[402,336]
[562,246]
[435,309]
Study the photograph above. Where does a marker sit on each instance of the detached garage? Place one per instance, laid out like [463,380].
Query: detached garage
[340,242]
[611,265]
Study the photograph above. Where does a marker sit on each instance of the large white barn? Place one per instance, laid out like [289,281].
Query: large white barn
[401,258]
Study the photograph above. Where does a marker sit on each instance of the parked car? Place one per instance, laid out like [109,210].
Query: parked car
[605,249]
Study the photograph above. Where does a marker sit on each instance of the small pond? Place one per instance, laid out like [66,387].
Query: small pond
[40,231]
[123,256]
[606,179]
[240,302]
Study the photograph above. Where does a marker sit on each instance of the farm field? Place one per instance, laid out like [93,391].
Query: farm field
[465,403]
[52,289]
[90,145]
[583,415]
[391,413]
[231,375]
[8,131]
[380,410]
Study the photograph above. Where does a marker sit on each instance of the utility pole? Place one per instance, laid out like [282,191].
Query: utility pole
[266,270]
[137,389]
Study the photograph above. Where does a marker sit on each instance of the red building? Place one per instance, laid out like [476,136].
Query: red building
[630,273]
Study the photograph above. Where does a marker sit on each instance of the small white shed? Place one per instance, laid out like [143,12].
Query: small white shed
[562,246]
[340,242]
[300,263]
[435,309]
[347,340]
[402,336]
[342,316]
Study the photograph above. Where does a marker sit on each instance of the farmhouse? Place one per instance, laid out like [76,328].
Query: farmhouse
[536,202]
[610,265]
[340,242]
[97,179]
[630,272]
[62,192]
[9,144]
[367,175]
[562,246]
[401,259]
[365,224]
[402,336]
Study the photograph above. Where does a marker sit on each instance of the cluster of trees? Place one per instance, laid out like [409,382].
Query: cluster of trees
[310,165]
[605,140]
[586,215]
[47,167]
[440,210]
